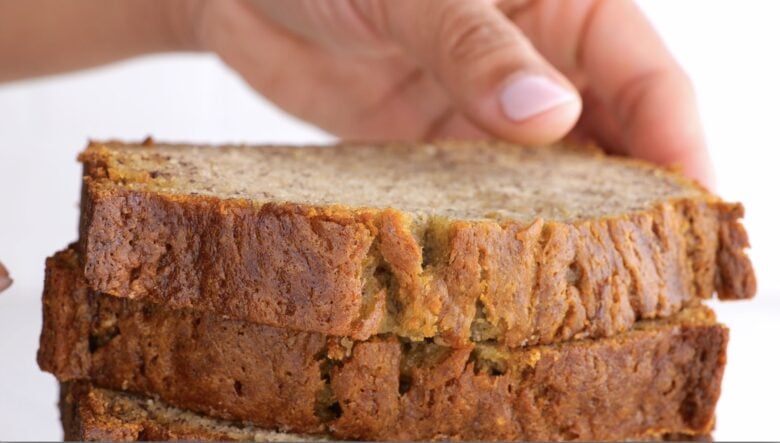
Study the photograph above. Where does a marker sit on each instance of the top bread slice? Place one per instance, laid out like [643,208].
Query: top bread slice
[459,241]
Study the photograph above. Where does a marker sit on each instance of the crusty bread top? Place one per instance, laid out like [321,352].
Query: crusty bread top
[458,180]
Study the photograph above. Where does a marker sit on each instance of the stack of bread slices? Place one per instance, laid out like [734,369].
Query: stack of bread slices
[446,291]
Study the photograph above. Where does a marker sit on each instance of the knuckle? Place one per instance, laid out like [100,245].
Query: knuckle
[468,36]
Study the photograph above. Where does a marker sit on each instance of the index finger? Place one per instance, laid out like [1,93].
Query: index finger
[652,99]
[611,48]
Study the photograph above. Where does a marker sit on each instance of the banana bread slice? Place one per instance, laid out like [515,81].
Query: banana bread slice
[453,240]
[93,414]
[661,377]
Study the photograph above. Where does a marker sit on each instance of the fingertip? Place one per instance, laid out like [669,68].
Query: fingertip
[523,96]
[537,109]
[664,126]
[546,127]
[689,154]
[490,69]
[699,167]
[531,109]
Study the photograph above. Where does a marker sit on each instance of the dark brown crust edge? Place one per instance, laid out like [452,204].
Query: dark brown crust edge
[64,341]
[735,278]
[357,273]
[672,374]
[87,416]
[84,419]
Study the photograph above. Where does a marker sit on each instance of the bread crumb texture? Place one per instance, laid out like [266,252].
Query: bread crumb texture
[661,377]
[456,242]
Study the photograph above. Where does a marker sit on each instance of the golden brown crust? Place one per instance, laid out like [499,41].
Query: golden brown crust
[662,377]
[85,418]
[63,349]
[204,249]
[361,272]
[736,279]
[92,414]
[126,344]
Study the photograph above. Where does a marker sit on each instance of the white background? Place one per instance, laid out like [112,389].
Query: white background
[730,49]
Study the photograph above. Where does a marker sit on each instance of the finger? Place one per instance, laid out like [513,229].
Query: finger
[333,24]
[596,124]
[385,98]
[492,72]
[297,76]
[643,88]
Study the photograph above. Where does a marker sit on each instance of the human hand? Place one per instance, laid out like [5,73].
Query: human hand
[522,70]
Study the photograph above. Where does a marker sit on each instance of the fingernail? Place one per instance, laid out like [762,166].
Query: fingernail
[526,95]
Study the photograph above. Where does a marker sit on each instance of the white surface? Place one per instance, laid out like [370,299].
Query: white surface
[729,48]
